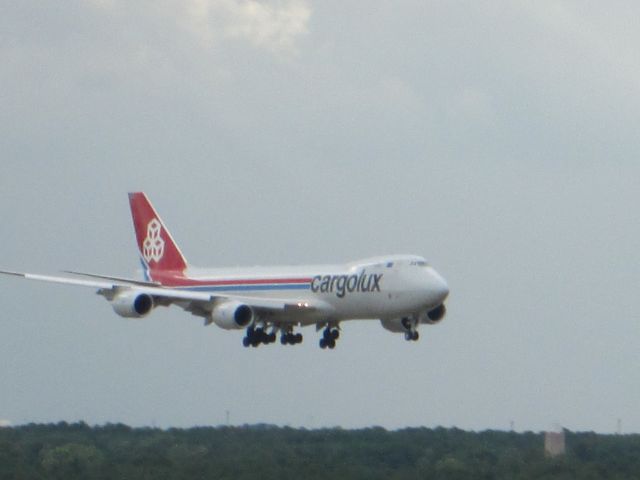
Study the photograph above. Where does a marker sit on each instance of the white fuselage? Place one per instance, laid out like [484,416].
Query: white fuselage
[375,288]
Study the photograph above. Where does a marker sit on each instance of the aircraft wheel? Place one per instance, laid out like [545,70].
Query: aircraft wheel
[331,344]
[323,343]
[259,335]
[272,337]
[335,334]
[297,338]
[408,336]
[246,342]
[415,336]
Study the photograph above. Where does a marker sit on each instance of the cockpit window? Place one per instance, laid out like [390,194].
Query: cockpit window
[389,264]
[419,263]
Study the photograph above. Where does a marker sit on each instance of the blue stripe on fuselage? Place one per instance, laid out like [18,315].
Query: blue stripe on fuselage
[246,288]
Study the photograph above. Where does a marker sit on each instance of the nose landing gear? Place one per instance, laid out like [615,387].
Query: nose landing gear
[411,336]
[411,333]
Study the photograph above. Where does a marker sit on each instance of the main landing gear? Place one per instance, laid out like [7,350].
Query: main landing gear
[290,338]
[256,336]
[329,337]
[411,333]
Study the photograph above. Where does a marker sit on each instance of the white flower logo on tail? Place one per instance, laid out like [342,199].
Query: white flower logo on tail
[153,245]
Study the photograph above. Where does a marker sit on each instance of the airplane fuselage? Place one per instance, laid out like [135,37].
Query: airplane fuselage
[374,288]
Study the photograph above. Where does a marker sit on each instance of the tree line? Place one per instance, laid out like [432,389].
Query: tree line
[69,451]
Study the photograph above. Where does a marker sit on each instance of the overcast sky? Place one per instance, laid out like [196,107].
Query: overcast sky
[497,139]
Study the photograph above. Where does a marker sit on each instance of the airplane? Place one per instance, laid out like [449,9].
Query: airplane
[401,291]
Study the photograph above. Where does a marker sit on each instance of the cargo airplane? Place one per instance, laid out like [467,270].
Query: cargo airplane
[402,291]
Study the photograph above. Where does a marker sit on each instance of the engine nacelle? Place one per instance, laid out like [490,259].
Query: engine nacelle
[132,304]
[434,316]
[232,315]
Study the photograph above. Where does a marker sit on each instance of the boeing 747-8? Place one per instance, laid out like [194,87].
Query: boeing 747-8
[402,291]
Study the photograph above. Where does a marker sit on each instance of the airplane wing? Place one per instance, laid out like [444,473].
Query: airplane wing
[116,279]
[104,286]
[198,303]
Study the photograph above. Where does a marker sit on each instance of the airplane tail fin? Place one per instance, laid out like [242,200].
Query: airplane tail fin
[158,250]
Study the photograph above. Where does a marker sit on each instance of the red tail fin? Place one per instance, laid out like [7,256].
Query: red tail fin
[158,251]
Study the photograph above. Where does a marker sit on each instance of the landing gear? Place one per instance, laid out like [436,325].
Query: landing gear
[411,333]
[256,336]
[290,338]
[329,337]
[411,336]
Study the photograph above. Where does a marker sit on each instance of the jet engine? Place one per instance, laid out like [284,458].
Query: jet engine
[434,316]
[232,315]
[131,304]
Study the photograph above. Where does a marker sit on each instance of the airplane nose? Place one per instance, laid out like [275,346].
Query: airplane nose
[443,289]
[438,287]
